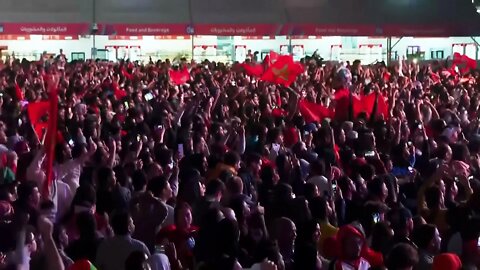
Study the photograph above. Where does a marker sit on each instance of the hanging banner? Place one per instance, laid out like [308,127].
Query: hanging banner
[183,37]
[125,37]
[144,29]
[331,30]
[59,37]
[69,29]
[238,29]
[14,37]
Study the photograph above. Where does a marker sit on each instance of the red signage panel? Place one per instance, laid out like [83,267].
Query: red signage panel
[144,29]
[67,29]
[238,29]
[332,30]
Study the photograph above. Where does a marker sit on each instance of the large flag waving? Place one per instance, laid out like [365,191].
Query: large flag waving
[38,116]
[284,71]
[179,77]
[255,70]
[313,112]
[273,57]
[51,139]
[342,104]
[467,62]
[365,104]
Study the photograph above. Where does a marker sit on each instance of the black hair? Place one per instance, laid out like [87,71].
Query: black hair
[213,187]
[103,175]
[433,196]
[86,224]
[231,158]
[157,185]
[423,235]
[25,190]
[119,222]
[375,186]
[135,261]
[139,180]
[318,207]
[402,256]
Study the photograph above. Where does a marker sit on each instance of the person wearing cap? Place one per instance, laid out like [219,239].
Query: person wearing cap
[447,261]
[350,243]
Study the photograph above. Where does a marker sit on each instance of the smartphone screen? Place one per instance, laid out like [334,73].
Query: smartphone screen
[376,217]
[148,96]
[180,150]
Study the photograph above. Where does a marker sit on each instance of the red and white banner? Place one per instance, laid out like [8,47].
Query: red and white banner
[14,37]
[418,30]
[331,30]
[125,37]
[143,29]
[238,29]
[258,37]
[59,37]
[170,37]
[67,29]
[247,30]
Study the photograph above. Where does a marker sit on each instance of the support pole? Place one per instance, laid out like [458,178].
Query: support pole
[193,43]
[94,29]
[390,47]
[475,41]
[290,49]
[478,48]
[389,50]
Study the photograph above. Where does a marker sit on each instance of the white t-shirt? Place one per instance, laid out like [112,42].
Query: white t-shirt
[159,261]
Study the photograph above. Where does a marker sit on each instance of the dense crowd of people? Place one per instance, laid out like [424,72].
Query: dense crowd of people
[226,171]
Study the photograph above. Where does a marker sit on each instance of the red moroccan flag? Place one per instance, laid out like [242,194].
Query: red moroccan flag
[38,116]
[382,107]
[117,92]
[365,104]
[284,71]
[255,70]
[270,58]
[465,61]
[342,104]
[179,77]
[51,140]
[273,57]
[126,74]
[313,112]
[435,77]
[18,92]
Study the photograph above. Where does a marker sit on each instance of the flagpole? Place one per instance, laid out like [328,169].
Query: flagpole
[290,50]
[193,37]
